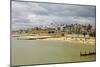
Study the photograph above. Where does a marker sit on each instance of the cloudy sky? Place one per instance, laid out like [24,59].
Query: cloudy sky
[31,14]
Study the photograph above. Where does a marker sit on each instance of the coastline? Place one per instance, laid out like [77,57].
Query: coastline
[74,40]
[81,40]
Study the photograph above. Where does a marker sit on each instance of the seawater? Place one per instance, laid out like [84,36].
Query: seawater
[26,52]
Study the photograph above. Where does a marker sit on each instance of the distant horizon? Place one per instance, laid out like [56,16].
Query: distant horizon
[31,14]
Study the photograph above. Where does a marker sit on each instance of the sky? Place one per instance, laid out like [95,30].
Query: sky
[32,14]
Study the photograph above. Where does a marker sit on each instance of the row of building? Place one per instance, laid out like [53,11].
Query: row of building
[63,29]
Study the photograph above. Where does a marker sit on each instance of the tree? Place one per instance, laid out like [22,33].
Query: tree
[89,27]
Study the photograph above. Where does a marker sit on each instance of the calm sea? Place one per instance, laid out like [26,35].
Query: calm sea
[25,52]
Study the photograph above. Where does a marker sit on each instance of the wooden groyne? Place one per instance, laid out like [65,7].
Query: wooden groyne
[87,53]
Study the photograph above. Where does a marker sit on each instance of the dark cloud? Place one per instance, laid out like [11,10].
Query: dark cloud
[70,10]
[28,14]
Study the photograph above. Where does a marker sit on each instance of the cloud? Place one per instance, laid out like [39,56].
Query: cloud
[30,14]
[71,10]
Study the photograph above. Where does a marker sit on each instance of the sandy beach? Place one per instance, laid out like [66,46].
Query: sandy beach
[84,41]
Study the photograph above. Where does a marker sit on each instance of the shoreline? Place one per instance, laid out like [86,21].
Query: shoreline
[74,40]
[84,41]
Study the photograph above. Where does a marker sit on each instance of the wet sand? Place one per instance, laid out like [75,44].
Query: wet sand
[82,40]
[90,41]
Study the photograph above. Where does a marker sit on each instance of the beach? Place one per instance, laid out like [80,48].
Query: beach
[72,39]
[78,40]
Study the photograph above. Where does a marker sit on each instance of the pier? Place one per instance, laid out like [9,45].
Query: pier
[87,53]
